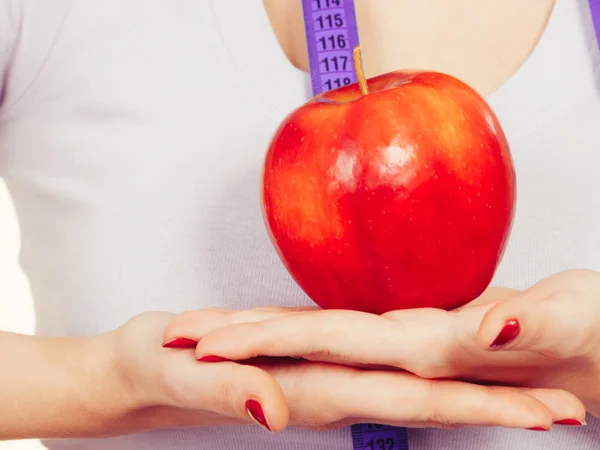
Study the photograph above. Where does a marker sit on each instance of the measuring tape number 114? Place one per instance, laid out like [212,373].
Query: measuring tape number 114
[331,36]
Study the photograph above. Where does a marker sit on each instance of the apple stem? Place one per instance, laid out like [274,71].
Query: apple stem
[360,74]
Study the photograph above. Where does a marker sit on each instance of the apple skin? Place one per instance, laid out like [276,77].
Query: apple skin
[400,198]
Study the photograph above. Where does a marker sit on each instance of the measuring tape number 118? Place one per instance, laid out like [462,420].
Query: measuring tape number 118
[331,36]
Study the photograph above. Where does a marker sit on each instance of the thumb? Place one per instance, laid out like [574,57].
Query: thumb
[224,389]
[551,325]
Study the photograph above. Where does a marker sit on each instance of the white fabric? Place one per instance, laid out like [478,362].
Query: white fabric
[131,139]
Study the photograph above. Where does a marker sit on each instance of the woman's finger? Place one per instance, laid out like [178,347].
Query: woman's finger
[345,395]
[420,341]
[186,329]
[566,409]
[556,325]
[230,390]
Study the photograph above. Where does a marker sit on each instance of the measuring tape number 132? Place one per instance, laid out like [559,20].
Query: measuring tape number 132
[331,36]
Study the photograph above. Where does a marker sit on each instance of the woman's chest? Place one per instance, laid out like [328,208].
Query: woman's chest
[143,163]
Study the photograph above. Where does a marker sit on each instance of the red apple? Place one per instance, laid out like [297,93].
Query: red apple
[402,197]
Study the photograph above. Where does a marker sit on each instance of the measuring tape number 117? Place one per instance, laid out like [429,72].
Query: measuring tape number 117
[331,36]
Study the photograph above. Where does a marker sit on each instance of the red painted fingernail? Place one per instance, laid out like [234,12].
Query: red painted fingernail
[570,422]
[257,414]
[539,429]
[507,334]
[212,358]
[181,343]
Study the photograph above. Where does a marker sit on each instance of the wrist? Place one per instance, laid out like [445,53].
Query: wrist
[132,354]
[106,365]
[107,396]
[135,366]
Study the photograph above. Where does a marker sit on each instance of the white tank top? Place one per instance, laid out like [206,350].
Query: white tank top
[132,136]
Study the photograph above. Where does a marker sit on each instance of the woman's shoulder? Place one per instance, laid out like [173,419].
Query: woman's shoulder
[28,30]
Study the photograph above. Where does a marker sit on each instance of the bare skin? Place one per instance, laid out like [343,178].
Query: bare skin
[483,42]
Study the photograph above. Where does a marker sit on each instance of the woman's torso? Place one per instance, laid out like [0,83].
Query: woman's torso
[132,141]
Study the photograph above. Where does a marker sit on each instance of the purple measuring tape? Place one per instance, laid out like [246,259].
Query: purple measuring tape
[368,436]
[332,35]
[595,10]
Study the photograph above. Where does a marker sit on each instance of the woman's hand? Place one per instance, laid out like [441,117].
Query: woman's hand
[544,337]
[430,343]
[171,389]
[328,396]
[123,382]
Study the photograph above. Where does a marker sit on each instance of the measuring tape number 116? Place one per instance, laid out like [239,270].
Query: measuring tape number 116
[331,36]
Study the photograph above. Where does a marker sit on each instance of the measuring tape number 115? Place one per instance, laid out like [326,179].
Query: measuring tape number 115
[331,36]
